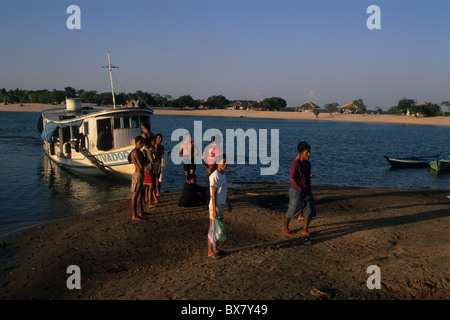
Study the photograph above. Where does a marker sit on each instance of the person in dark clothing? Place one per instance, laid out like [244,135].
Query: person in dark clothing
[192,194]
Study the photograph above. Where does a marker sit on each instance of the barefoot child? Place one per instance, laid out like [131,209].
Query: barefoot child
[137,181]
[149,177]
[301,202]
[219,197]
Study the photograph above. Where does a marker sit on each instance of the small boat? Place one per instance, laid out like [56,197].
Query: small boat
[93,140]
[441,165]
[412,162]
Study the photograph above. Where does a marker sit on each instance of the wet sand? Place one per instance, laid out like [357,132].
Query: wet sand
[164,257]
[369,118]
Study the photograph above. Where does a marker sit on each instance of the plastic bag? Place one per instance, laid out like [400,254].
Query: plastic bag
[220,231]
[212,235]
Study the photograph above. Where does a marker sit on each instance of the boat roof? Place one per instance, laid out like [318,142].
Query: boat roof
[59,115]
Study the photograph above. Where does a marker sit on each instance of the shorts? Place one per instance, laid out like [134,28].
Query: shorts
[220,209]
[137,182]
[298,204]
[157,169]
[149,178]
[189,167]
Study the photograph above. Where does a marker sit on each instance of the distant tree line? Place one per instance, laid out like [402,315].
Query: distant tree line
[410,106]
[144,98]
[220,102]
[404,106]
[59,96]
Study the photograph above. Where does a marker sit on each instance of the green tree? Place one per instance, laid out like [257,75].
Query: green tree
[393,110]
[59,96]
[331,107]
[360,105]
[316,113]
[184,101]
[217,101]
[427,109]
[88,96]
[160,100]
[405,104]
[274,103]
[70,92]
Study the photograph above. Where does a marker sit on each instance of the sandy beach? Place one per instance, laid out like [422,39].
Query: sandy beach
[164,257]
[369,118]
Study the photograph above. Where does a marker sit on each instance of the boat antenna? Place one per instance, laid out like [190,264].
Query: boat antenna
[109,66]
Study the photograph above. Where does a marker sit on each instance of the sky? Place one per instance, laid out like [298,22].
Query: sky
[321,51]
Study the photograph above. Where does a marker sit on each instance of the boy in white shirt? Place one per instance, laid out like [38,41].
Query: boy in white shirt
[219,197]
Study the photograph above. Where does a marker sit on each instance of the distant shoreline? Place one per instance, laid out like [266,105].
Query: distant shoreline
[357,118]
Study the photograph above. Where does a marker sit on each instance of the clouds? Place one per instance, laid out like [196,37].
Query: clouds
[312,94]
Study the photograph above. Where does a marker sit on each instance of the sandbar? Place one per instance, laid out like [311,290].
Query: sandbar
[358,118]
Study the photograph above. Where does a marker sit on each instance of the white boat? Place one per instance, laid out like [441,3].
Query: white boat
[93,140]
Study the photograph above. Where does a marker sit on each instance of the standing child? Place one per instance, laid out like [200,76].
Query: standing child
[158,159]
[301,202]
[188,151]
[137,181]
[149,177]
[219,197]
[212,153]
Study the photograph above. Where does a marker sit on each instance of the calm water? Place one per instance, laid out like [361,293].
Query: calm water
[34,190]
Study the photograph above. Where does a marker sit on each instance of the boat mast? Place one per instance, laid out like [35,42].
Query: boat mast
[109,66]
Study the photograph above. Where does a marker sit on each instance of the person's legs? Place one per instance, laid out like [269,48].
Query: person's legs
[150,192]
[214,252]
[157,186]
[140,200]
[294,209]
[286,225]
[305,231]
[309,212]
[134,199]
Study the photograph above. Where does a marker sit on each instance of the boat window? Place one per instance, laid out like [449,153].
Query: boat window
[104,132]
[64,134]
[135,121]
[55,136]
[116,122]
[86,128]
[73,132]
[126,122]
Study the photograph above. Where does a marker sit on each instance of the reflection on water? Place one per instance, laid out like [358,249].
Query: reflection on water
[78,193]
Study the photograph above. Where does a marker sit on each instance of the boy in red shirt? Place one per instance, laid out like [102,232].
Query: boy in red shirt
[301,201]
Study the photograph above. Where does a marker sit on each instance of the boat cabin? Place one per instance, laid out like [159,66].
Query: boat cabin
[95,131]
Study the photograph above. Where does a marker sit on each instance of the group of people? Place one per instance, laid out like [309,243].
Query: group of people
[145,185]
[148,157]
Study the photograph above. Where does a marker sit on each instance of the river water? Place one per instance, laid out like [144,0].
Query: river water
[34,190]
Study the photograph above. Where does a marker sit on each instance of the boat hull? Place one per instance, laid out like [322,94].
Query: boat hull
[123,172]
[440,165]
[413,162]
[113,164]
